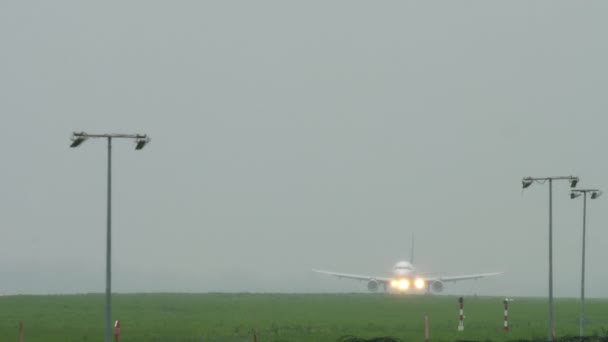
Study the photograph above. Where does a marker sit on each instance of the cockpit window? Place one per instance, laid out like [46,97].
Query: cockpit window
[403,267]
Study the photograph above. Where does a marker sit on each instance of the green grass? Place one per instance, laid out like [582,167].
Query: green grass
[287,317]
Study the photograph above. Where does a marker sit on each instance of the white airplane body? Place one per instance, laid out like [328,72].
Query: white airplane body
[405,278]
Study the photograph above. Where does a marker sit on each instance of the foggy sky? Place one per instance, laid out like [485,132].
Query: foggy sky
[288,136]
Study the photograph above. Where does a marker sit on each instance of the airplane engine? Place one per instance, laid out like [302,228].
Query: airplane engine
[437,286]
[372,285]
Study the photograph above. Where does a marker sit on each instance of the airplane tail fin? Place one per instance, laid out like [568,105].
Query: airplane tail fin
[412,250]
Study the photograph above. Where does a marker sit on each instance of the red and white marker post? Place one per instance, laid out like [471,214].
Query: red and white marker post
[505,325]
[117,330]
[461,317]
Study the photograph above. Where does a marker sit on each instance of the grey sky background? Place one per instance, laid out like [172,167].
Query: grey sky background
[288,136]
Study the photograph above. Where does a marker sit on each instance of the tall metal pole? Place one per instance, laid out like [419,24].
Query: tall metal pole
[526,182]
[141,140]
[109,249]
[582,321]
[551,328]
[595,193]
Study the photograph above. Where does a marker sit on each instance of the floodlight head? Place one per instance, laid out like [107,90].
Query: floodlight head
[526,182]
[573,182]
[141,142]
[77,139]
[596,194]
[574,194]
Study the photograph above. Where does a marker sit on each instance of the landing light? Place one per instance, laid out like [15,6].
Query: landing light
[394,283]
[419,283]
[404,284]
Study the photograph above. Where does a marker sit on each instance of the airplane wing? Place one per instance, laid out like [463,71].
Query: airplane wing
[463,277]
[355,276]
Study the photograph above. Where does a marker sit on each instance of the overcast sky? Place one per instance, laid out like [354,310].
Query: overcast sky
[288,136]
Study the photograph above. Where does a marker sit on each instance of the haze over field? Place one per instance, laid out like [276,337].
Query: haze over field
[292,136]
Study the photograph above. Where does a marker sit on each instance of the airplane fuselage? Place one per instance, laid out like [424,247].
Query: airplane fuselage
[404,278]
[403,269]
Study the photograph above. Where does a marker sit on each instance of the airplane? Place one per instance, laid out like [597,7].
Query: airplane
[405,278]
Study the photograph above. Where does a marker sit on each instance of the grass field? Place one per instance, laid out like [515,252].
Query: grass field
[287,317]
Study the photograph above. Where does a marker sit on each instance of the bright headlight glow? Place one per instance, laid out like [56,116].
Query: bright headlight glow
[394,283]
[419,283]
[404,284]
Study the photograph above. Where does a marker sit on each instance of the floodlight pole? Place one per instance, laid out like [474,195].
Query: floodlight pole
[141,141]
[582,318]
[109,248]
[527,181]
[595,194]
[551,322]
